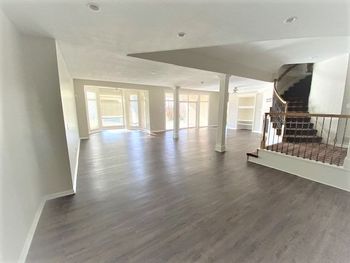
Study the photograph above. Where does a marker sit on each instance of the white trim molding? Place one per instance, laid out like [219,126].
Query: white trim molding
[75,175]
[31,232]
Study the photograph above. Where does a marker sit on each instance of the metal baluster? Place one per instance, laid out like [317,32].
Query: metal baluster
[335,141]
[268,134]
[284,126]
[301,135]
[342,141]
[308,129]
[273,139]
[295,133]
[312,146]
[329,131]
[286,134]
[319,145]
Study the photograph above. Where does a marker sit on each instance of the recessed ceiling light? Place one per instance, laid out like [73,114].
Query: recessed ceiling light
[94,7]
[181,34]
[290,20]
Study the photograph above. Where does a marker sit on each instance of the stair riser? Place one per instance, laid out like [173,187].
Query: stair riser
[300,120]
[301,132]
[309,125]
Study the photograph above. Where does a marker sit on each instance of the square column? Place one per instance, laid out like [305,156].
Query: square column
[222,119]
[176,113]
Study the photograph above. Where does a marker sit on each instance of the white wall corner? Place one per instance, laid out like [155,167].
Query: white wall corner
[31,232]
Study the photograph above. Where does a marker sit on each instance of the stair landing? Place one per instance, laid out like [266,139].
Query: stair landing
[321,152]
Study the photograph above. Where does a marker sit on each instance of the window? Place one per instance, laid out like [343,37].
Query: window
[134,110]
[169,111]
[193,110]
[188,110]
[183,114]
[203,110]
[92,110]
[112,110]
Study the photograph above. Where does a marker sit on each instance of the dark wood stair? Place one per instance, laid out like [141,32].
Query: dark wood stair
[299,129]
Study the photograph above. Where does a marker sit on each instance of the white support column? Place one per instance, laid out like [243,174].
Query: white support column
[347,159]
[223,100]
[176,113]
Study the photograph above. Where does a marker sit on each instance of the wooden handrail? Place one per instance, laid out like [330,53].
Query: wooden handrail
[276,93]
[302,114]
[286,71]
[278,79]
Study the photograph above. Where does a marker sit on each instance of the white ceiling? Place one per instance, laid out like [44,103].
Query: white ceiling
[95,44]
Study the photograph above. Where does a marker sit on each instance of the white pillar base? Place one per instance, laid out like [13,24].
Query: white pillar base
[175,135]
[220,148]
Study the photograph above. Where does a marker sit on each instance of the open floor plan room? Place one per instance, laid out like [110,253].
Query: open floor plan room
[153,131]
[144,198]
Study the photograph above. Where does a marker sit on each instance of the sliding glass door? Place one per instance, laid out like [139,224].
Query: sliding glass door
[134,121]
[92,109]
[188,111]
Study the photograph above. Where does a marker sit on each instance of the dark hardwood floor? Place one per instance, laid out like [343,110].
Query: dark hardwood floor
[148,198]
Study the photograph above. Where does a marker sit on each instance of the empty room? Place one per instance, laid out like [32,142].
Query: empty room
[175,131]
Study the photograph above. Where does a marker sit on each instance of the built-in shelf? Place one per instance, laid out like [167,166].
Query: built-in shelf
[244,124]
[246,107]
[246,110]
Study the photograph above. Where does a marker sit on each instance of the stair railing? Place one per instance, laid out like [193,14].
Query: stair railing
[278,103]
[319,137]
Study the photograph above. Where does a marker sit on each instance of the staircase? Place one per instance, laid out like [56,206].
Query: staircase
[299,129]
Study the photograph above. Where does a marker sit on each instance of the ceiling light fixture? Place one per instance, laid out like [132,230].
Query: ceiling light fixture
[290,20]
[94,7]
[181,34]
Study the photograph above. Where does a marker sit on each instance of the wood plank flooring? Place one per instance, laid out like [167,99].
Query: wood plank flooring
[148,198]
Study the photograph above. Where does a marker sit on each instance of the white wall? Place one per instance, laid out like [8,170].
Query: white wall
[69,115]
[327,87]
[327,95]
[232,115]
[263,104]
[33,144]
[157,109]
[213,118]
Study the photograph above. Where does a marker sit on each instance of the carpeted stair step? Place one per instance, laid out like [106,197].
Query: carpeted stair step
[298,119]
[309,125]
[300,131]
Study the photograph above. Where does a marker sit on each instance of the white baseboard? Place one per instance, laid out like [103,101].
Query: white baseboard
[84,138]
[155,131]
[75,176]
[30,235]
[31,232]
[59,194]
